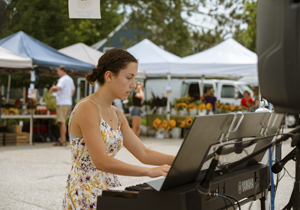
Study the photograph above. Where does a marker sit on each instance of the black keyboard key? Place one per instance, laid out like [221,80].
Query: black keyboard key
[139,187]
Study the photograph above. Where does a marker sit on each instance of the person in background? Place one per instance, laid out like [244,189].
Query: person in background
[135,113]
[98,131]
[255,103]
[119,104]
[246,100]
[210,98]
[64,89]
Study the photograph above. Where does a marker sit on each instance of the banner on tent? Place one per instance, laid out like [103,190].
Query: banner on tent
[84,9]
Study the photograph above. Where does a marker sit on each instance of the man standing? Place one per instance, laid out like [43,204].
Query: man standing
[65,89]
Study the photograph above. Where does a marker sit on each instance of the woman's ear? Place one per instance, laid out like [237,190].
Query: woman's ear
[108,76]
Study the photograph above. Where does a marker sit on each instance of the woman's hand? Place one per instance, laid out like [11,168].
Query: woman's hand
[159,171]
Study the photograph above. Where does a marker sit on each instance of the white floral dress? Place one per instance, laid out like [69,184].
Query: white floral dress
[85,182]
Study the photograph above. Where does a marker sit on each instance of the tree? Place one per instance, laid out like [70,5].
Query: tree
[49,22]
[247,37]
[162,23]
[225,18]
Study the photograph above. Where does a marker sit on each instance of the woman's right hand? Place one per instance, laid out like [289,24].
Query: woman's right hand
[159,171]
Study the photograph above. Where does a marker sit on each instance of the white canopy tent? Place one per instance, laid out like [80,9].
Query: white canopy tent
[82,52]
[250,80]
[228,58]
[10,61]
[152,59]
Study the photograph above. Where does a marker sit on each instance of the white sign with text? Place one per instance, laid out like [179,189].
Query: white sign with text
[84,9]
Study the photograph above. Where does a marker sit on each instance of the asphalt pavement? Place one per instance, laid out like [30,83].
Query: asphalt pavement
[34,177]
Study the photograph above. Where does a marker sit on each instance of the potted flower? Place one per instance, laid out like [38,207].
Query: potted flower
[158,103]
[186,124]
[209,108]
[181,108]
[175,128]
[201,109]
[163,127]
[192,108]
[160,131]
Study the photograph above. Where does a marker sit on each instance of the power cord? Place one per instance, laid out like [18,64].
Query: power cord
[227,197]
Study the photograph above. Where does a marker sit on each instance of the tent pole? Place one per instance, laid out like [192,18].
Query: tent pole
[168,98]
[202,86]
[24,96]
[8,88]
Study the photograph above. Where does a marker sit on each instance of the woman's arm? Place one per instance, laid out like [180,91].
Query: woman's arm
[88,122]
[134,145]
[139,92]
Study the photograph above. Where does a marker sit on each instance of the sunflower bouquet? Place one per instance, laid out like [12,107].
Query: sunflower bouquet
[180,106]
[186,123]
[225,108]
[191,106]
[165,124]
[201,107]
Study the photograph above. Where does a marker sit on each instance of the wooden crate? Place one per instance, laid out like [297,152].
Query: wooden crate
[18,128]
[22,138]
[10,139]
[1,139]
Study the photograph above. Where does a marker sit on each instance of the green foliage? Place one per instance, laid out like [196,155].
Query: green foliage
[49,100]
[247,37]
[143,121]
[48,21]
[160,21]
[17,81]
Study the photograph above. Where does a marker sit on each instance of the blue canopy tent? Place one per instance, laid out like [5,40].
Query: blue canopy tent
[44,57]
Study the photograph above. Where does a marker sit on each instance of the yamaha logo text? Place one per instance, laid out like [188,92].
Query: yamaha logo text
[245,185]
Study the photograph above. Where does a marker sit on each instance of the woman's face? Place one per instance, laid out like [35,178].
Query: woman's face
[139,87]
[123,84]
[246,95]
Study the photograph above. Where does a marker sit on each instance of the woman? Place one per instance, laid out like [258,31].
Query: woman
[98,130]
[210,98]
[255,103]
[246,100]
[137,100]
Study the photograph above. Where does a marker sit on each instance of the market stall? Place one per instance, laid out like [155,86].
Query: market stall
[43,61]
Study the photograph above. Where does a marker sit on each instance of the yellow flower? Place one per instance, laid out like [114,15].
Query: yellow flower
[165,124]
[208,106]
[188,121]
[201,107]
[157,123]
[182,124]
[180,106]
[192,106]
[172,123]
[232,108]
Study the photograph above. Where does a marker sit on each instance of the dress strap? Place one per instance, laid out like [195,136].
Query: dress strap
[96,105]
[117,116]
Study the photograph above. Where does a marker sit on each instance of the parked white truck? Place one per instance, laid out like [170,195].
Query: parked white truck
[226,91]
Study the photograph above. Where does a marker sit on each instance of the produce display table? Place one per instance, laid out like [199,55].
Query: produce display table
[31,117]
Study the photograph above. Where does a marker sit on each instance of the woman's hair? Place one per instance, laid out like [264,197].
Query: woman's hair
[246,91]
[255,91]
[138,83]
[112,60]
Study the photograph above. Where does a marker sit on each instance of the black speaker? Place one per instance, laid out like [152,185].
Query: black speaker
[278,50]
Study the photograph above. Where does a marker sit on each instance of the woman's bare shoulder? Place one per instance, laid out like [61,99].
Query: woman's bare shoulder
[86,108]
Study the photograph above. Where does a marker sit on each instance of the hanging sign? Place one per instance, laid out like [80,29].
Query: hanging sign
[84,9]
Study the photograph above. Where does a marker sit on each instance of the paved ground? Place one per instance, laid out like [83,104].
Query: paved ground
[34,177]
